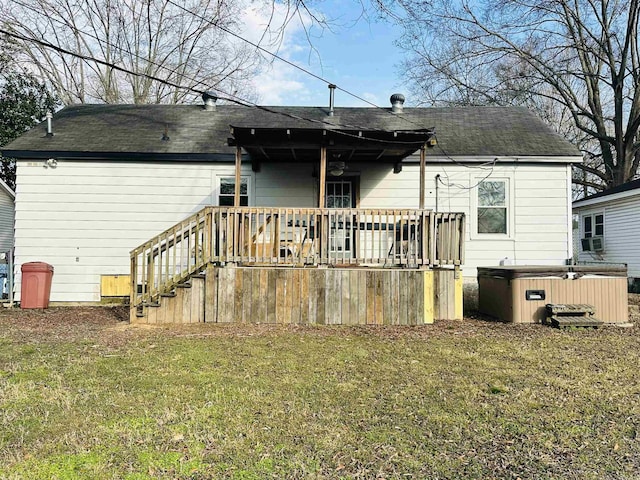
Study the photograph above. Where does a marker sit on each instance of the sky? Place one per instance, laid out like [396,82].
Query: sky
[358,55]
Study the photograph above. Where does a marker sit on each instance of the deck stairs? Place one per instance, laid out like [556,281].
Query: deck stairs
[561,315]
[167,273]
[183,304]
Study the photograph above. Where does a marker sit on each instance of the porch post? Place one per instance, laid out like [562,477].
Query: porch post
[236,189]
[322,176]
[422,174]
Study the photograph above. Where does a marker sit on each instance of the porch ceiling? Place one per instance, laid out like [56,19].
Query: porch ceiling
[303,144]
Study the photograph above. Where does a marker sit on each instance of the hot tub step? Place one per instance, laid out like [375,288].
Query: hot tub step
[563,321]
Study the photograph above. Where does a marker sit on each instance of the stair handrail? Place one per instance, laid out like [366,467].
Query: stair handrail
[170,258]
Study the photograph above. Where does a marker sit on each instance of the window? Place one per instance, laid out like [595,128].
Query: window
[593,232]
[492,207]
[226,191]
[593,225]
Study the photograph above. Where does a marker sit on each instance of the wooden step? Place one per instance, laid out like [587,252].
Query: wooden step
[564,321]
[575,309]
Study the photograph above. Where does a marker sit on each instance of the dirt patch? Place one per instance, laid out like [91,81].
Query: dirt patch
[109,326]
[63,323]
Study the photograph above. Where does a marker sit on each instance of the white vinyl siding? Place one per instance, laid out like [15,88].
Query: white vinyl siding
[286,185]
[621,233]
[85,217]
[6,220]
[540,207]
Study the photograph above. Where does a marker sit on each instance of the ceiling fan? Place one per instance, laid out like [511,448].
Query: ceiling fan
[336,168]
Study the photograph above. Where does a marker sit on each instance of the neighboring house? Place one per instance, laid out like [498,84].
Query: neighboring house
[7,201]
[108,178]
[609,227]
[7,208]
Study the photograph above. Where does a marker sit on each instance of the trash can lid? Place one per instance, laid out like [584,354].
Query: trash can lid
[36,267]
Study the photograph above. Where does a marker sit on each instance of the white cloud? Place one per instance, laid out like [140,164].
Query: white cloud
[278,83]
[373,98]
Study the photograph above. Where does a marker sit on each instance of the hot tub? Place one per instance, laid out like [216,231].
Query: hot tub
[519,293]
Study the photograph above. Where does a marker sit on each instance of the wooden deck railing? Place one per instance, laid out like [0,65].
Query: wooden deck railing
[385,238]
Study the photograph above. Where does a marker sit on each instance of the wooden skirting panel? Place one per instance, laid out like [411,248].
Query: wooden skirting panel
[333,296]
[185,306]
[320,296]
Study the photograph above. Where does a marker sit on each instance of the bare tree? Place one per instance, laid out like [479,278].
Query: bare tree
[189,43]
[573,61]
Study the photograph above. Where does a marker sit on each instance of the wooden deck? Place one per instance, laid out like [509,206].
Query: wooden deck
[378,261]
[286,295]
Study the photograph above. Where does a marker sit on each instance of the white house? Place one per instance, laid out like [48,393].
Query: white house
[108,178]
[609,227]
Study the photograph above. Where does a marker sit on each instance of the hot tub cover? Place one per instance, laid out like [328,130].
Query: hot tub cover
[528,271]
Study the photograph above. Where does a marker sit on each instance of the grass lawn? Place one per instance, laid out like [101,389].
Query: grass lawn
[83,395]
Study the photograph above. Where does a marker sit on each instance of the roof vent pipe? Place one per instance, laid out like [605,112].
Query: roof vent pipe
[332,91]
[210,100]
[397,103]
[49,126]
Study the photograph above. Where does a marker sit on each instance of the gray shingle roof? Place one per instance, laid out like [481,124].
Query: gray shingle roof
[106,130]
[625,187]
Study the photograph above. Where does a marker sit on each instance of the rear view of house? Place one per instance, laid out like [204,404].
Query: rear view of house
[378,211]
[609,228]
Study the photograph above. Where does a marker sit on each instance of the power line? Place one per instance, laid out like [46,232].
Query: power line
[236,99]
[268,52]
[105,42]
[288,62]
[97,60]
[229,97]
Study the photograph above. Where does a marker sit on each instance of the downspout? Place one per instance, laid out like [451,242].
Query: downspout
[423,152]
[437,187]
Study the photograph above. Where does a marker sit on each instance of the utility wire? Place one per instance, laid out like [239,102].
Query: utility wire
[288,62]
[240,100]
[228,97]
[118,47]
[270,53]
[97,60]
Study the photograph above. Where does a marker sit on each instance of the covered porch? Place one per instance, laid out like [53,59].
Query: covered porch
[252,263]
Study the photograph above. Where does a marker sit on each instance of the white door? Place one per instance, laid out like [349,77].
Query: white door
[341,194]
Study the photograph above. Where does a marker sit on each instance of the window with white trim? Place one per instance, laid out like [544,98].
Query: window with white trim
[593,225]
[492,207]
[226,191]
